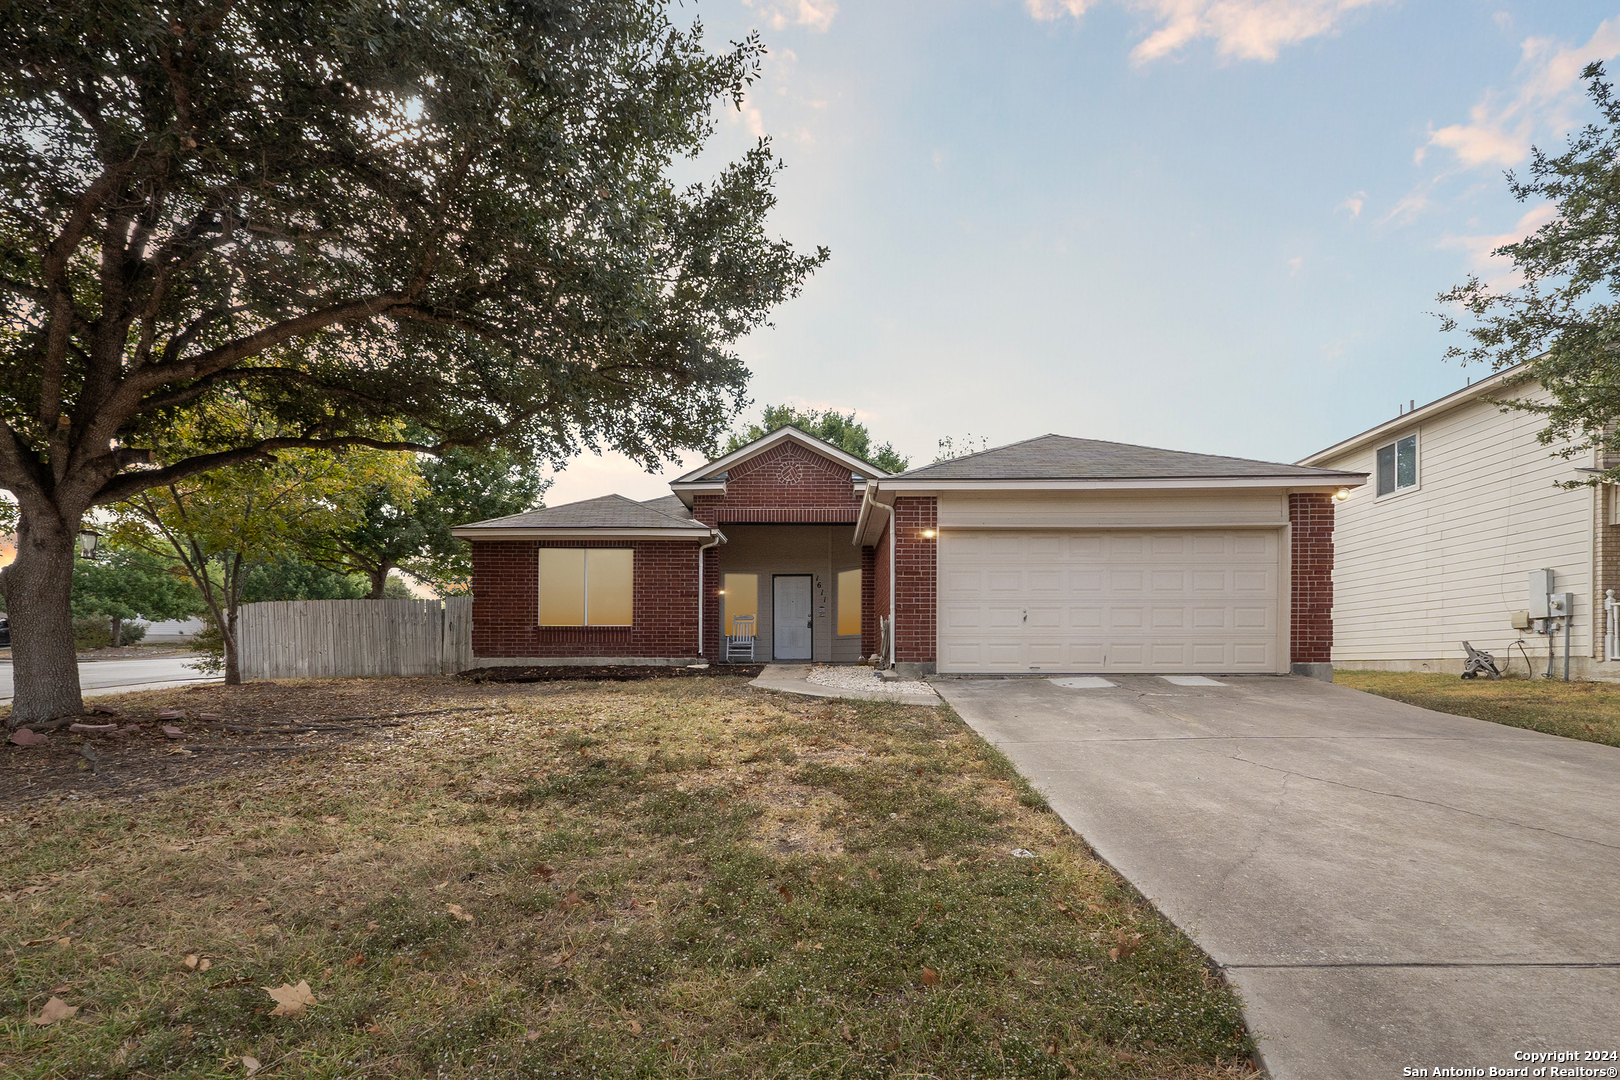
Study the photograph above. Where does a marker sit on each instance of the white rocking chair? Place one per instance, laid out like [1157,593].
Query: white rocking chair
[740,642]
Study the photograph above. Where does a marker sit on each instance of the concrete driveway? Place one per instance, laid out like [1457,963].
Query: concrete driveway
[1389,887]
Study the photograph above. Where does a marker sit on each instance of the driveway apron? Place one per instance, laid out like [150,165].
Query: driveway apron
[1389,888]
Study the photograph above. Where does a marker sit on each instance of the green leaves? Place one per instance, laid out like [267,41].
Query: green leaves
[1562,323]
[844,432]
[456,214]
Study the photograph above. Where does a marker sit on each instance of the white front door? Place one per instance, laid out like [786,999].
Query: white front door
[790,607]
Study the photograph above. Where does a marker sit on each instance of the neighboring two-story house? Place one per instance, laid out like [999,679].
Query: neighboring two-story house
[1436,550]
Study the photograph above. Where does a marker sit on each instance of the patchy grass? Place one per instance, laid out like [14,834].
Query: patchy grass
[1575,710]
[682,878]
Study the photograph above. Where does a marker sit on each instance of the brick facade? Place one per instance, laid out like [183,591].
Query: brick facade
[787,483]
[506,603]
[869,608]
[1310,520]
[916,595]
[881,585]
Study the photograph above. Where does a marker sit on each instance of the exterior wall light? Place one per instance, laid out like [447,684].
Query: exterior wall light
[88,538]
[929,534]
[1341,495]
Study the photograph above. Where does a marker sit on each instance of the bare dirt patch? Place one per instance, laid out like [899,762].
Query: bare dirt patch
[607,673]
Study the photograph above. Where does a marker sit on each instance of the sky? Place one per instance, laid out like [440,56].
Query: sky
[1209,225]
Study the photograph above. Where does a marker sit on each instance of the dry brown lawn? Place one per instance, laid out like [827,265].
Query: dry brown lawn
[678,878]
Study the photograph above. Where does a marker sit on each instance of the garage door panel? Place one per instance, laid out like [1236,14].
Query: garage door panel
[1251,618]
[1003,581]
[1045,581]
[1085,581]
[1170,618]
[1087,546]
[1252,581]
[1150,601]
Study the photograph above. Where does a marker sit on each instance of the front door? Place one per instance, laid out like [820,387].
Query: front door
[790,607]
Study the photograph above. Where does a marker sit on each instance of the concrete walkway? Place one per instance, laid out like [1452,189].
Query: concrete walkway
[793,679]
[1388,887]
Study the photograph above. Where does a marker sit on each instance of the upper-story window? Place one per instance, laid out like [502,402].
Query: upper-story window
[1397,465]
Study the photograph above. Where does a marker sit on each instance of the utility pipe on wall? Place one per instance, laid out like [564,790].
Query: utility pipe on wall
[719,538]
[892,589]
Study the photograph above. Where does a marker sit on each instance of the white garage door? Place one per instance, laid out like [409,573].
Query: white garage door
[1195,601]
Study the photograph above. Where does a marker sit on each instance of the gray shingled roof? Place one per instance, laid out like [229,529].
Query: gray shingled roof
[1059,457]
[607,512]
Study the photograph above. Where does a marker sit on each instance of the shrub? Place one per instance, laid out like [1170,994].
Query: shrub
[92,632]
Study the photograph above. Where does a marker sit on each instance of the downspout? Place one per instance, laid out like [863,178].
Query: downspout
[719,538]
[892,584]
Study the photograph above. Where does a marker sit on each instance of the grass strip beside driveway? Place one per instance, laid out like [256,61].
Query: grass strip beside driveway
[1576,710]
[684,878]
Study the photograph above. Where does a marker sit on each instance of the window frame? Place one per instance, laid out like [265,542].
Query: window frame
[1417,467]
[585,622]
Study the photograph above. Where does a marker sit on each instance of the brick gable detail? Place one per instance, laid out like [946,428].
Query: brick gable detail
[1310,519]
[506,603]
[785,484]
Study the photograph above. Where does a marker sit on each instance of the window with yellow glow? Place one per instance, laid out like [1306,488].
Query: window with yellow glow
[849,602]
[742,598]
[587,586]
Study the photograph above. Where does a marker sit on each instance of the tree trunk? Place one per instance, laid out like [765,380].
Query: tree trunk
[379,580]
[39,589]
[233,656]
[117,635]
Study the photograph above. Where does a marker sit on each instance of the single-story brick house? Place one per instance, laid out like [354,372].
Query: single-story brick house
[1051,555]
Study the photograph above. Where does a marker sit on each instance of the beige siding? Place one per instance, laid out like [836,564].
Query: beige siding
[1103,510]
[1418,572]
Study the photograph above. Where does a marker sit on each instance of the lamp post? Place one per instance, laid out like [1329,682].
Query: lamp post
[88,538]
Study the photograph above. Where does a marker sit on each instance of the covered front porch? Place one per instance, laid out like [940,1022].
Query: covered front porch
[803,585]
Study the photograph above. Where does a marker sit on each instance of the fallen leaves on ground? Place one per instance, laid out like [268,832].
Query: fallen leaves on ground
[54,1010]
[455,910]
[251,1064]
[290,1000]
[929,976]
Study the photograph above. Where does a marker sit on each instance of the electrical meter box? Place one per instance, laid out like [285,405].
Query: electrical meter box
[1540,587]
[1561,605]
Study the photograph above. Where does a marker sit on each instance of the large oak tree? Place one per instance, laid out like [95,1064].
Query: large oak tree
[347,215]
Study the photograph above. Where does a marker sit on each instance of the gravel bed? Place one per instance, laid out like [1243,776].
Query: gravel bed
[863,678]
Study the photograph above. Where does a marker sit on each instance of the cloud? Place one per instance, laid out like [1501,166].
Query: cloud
[1354,203]
[1048,10]
[1501,126]
[1241,29]
[816,14]
[1295,265]
[1480,249]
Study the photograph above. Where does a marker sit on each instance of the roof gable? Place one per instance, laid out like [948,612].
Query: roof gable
[714,471]
[1061,457]
[608,512]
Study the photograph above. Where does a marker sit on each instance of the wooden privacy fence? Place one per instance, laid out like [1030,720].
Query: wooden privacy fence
[314,639]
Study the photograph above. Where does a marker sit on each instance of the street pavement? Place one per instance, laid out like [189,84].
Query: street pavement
[1389,888]
[120,676]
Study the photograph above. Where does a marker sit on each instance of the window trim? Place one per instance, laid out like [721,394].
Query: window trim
[585,589]
[1417,469]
